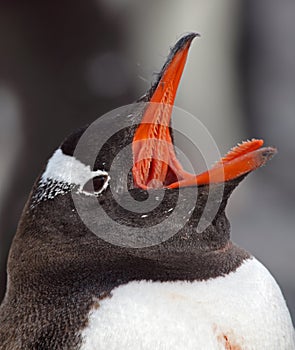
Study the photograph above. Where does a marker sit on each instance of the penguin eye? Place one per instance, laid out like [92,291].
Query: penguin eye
[96,184]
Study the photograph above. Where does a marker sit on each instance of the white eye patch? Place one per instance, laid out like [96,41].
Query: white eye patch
[67,169]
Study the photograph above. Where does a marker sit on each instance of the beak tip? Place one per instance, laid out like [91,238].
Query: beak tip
[268,153]
[185,40]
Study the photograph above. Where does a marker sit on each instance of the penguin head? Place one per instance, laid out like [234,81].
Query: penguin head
[154,163]
[163,209]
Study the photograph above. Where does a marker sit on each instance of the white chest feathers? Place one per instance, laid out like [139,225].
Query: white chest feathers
[243,311]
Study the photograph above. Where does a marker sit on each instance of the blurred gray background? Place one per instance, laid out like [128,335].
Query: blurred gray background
[62,64]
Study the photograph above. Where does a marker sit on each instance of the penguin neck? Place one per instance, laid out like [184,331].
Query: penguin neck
[61,255]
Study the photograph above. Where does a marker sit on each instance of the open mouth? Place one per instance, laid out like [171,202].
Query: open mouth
[154,158]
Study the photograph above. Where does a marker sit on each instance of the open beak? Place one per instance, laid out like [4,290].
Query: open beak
[154,158]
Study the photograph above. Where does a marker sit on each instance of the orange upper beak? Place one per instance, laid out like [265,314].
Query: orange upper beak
[154,158]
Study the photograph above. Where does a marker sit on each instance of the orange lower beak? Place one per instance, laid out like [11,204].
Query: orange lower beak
[154,158]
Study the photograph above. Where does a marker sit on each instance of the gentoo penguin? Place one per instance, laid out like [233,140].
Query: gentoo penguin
[72,288]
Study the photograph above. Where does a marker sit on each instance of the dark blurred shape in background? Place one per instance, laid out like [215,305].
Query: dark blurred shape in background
[62,64]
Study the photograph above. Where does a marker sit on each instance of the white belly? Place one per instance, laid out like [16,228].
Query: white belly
[243,311]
